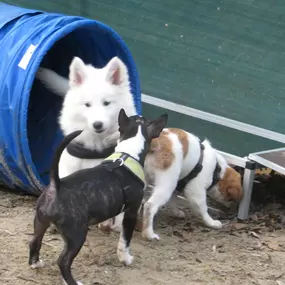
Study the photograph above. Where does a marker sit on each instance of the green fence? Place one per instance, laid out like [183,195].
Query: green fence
[222,57]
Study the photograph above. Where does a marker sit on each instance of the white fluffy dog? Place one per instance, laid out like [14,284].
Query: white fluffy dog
[93,98]
[92,101]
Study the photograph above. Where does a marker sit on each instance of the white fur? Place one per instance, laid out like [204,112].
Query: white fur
[195,191]
[78,282]
[38,264]
[133,146]
[164,183]
[53,81]
[93,86]
[123,252]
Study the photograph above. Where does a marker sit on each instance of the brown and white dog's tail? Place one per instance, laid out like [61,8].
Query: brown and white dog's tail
[54,178]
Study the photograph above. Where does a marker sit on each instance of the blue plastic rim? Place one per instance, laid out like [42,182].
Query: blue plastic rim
[29,130]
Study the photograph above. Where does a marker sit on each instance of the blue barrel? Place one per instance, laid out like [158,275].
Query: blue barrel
[29,130]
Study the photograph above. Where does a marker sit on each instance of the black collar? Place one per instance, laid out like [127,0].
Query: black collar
[196,170]
[78,150]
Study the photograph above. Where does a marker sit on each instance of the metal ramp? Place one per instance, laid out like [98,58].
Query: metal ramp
[273,159]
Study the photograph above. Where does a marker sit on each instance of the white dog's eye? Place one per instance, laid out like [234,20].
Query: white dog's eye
[87,104]
[106,103]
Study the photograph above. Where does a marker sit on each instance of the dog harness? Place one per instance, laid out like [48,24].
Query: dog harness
[119,159]
[196,170]
[192,174]
[78,150]
[216,176]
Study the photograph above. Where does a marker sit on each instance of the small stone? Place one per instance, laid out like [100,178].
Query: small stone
[198,260]
[254,234]
[239,226]
[273,245]
[253,217]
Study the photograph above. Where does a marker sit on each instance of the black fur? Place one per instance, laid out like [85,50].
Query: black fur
[149,131]
[54,166]
[95,193]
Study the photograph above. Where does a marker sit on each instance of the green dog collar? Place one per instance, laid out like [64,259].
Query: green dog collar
[132,164]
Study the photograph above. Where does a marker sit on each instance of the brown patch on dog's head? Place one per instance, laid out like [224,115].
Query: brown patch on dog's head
[182,137]
[161,150]
[230,185]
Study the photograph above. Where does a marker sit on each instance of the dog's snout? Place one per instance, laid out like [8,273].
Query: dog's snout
[98,126]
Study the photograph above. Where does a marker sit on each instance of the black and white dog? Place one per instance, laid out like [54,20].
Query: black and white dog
[100,193]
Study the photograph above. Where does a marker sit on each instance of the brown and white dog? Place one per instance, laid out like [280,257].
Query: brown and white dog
[173,157]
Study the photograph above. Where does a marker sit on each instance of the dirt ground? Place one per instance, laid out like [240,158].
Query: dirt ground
[188,253]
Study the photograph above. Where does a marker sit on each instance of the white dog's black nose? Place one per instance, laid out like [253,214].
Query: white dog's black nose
[98,126]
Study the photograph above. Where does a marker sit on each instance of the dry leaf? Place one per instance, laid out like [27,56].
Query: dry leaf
[272,206]
[254,234]
[177,234]
[257,245]
[253,217]
[183,235]
[186,236]
[198,260]
[239,226]
[273,245]
[262,282]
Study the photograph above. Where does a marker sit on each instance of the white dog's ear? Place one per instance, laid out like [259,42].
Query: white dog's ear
[77,72]
[117,72]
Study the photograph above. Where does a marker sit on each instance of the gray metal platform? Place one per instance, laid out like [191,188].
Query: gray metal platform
[273,159]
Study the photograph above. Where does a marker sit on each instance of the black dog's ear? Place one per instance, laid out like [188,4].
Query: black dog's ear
[123,119]
[155,127]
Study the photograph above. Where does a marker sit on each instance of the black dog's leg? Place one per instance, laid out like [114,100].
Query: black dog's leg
[74,239]
[129,223]
[40,227]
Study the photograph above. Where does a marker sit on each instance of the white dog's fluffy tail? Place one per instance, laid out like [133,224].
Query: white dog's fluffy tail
[54,82]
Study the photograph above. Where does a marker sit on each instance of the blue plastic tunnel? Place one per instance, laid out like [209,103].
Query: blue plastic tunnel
[29,130]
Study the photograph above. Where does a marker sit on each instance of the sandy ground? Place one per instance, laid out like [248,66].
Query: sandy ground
[188,253]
